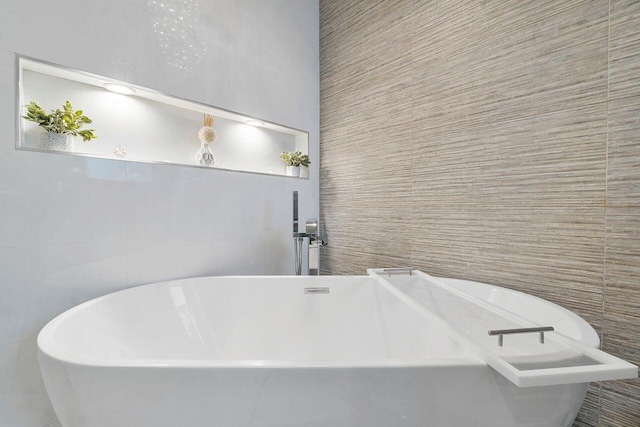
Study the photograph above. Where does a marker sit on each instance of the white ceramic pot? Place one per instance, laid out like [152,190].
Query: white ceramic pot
[293,170]
[56,141]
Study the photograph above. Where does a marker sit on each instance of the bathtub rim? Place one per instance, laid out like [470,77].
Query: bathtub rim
[46,345]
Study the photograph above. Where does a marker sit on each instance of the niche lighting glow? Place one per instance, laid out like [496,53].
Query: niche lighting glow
[254,123]
[122,90]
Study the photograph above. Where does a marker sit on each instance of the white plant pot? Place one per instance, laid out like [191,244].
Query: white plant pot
[56,141]
[304,171]
[293,170]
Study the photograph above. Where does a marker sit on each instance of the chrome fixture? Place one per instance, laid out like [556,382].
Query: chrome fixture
[318,290]
[400,270]
[317,237]
[502,332]
[314,252]
[295,213]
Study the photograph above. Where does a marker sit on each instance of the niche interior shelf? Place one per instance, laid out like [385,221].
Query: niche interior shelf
[149,126]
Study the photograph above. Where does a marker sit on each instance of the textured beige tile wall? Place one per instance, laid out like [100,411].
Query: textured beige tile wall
[496,141]
[621,320]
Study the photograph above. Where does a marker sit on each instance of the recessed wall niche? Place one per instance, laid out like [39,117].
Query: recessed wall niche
[148,126]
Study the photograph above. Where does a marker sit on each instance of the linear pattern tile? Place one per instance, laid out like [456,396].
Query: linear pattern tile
[494,141]
[621,330]
[367,217]
[499,148]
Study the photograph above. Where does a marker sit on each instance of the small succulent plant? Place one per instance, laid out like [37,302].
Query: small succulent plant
[295,158]
[65,121]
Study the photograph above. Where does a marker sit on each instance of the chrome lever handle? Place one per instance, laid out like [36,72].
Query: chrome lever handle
[502,332]
[322,238]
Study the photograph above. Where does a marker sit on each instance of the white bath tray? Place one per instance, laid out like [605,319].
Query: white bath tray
[525,359]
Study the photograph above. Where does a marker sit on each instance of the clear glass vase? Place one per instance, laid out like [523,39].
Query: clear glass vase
[204,156]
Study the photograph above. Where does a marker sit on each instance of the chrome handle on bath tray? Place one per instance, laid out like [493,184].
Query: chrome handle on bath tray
[502,332]
[399,270]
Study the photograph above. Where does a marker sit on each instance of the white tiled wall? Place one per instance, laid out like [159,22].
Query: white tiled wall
[74,228]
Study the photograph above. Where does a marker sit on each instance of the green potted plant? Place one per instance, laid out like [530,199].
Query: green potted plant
[294,160]
[304,166]
[60,125]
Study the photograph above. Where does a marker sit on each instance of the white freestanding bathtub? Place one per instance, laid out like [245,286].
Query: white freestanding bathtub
[281,352]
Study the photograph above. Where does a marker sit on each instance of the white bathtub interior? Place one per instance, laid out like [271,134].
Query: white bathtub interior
[252,320]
